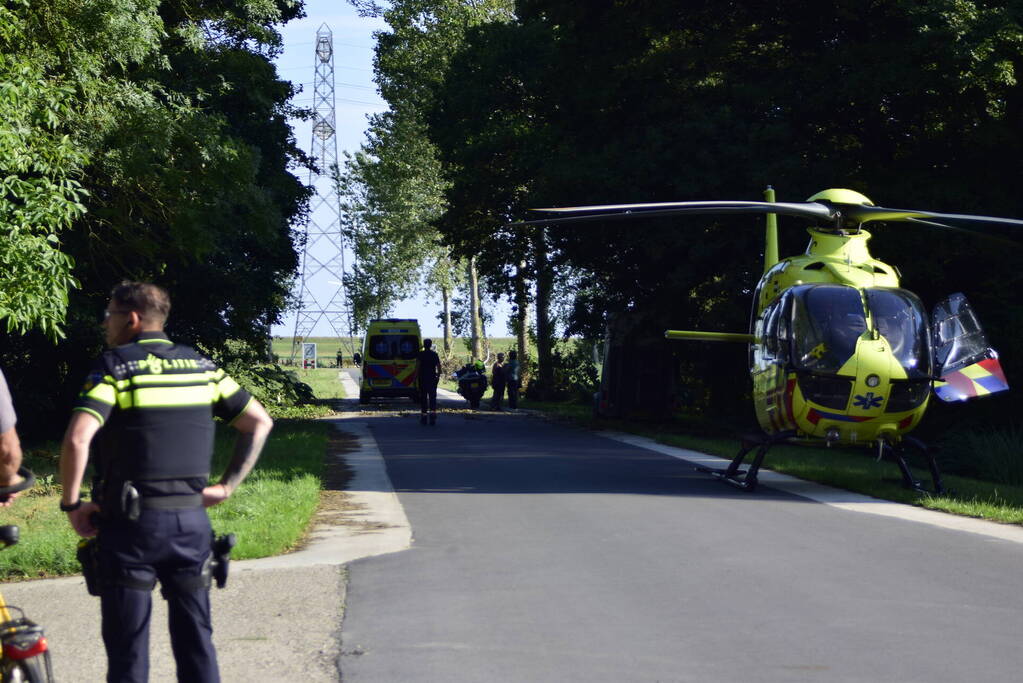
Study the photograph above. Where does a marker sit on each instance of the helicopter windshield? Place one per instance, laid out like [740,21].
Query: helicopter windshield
[827,320]
[900,318]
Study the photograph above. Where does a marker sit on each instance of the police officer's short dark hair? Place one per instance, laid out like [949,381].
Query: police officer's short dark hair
[427,343]
[150,301]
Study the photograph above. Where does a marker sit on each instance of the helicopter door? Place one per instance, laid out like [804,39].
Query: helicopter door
[967,366]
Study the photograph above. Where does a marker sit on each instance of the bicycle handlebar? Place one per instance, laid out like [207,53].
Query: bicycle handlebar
[28,480]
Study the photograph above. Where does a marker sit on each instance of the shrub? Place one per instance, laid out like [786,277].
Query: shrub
[272,385]
[575,373]
[991,454]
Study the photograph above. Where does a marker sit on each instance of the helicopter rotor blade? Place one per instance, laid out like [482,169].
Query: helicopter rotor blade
[865,214]
[823,211]
[812,210]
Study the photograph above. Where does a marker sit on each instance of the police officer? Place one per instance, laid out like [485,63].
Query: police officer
[428,374]
[497,381]
[512,379]
[150,404]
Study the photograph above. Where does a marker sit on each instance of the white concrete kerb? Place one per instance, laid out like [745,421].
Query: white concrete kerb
[376,526]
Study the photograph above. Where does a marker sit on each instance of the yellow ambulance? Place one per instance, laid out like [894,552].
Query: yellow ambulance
[389,352]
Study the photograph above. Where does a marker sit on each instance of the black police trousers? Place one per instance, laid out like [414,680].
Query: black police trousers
[428,396]
[170,546]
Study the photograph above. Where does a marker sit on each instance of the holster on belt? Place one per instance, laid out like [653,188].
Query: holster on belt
[88,556]
[221,556]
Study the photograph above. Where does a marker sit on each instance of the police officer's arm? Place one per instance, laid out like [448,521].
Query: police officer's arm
[74,456]
[253,425]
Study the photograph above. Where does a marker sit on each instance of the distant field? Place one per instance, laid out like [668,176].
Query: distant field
[326,348]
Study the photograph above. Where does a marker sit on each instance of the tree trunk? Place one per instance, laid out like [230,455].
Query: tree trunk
[446,296]
[474,311]
[544,328]
[522,304]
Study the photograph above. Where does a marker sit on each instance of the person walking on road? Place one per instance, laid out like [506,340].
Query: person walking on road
[149,404]
[497,381]
[512,379]
[428,372]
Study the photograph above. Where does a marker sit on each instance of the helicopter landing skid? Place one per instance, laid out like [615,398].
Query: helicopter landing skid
[908,480]
[747,479]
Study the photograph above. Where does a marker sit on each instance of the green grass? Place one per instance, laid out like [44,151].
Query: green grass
[271,510]
[851,469]
[323,381]
[326,348]
[269,513]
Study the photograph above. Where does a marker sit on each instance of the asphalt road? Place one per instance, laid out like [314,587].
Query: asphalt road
[546,553]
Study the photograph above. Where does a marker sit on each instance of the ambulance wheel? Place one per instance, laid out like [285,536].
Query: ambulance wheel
[363,397]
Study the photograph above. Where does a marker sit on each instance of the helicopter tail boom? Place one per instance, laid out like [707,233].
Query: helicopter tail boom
[709,336]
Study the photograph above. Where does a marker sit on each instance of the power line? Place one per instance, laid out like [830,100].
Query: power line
[349,68]
[310,100]
[313,42]
[347,85]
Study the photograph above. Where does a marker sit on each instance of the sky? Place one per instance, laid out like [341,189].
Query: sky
[356,98]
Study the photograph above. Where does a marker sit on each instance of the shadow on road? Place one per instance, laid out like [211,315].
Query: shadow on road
[515,453]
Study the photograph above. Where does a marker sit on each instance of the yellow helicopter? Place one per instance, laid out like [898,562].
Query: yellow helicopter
[839,352]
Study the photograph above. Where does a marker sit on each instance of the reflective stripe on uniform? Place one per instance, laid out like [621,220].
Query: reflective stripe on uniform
[227,387]
[184,378]
[166,397]
[90,411]
[103,392]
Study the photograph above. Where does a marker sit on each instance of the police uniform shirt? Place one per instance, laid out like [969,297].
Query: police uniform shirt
[155,401]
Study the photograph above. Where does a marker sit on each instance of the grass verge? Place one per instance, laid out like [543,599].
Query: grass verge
[851,469]
[323,381]
[269,513]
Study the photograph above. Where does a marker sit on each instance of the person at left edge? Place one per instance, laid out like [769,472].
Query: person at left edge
[10,445]
[149,403]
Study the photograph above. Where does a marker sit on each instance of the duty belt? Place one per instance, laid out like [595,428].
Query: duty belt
[180,502]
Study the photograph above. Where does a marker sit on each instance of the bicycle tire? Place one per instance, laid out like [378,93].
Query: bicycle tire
[37,669]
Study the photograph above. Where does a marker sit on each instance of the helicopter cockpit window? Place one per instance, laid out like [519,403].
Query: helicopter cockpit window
[771,330]
[900,318]
[827,321]
[775,330]
[958,338]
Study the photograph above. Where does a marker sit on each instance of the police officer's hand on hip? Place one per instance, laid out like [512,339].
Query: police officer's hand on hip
[147,411]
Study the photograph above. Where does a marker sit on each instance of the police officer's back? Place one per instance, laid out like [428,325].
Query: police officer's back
[150,404]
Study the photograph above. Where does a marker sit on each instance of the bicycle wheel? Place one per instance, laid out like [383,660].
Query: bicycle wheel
[37,669]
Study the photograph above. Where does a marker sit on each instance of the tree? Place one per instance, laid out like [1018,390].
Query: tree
[154,139]
[395,185]
[619,101]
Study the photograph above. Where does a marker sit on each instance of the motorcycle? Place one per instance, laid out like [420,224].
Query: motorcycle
[472,382]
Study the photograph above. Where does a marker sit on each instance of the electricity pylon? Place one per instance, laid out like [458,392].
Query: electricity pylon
[321,292]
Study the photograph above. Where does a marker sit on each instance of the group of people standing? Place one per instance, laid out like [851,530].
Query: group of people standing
[505,377]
